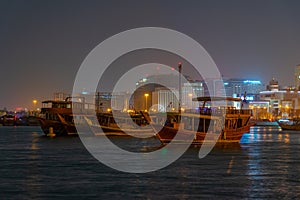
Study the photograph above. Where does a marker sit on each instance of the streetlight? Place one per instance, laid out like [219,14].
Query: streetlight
[34,104]
[34,107]
[146,96]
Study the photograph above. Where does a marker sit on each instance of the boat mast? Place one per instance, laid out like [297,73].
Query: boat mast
[179,103]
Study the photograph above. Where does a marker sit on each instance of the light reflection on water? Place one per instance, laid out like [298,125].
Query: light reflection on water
[273,163]
[265,134]
[265,165]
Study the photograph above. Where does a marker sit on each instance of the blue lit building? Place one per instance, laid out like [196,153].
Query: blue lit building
[238,87]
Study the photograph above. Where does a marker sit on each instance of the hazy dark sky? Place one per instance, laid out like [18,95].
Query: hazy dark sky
[42,43]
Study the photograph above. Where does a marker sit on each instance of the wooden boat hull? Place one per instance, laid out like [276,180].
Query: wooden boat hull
[124,127]
[289,127]
[59,128]
[167,134]
[116,131]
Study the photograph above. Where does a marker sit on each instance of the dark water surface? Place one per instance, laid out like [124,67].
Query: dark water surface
[266,165]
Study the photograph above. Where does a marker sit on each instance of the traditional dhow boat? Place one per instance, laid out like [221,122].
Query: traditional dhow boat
[221,124]
[57,117]
[290,125]
[124,124]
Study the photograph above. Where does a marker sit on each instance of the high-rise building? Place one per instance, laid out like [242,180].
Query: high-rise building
[142,96]
[154,90]
[238,87]
[282,103]
[166,99]
[297,77]
[60,96]
[106,101]
[273,85]
[189,91]
[167,80]
[214,87]
[163,92]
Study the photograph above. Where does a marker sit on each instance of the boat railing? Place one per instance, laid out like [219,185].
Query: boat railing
[57,110]
[220,111]
[239,111]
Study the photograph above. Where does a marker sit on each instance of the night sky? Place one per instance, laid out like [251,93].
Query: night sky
[43,43]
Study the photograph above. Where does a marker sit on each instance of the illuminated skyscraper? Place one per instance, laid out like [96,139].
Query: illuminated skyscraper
[238,87]
[297,77]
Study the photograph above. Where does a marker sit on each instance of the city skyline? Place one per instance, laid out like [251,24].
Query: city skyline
[262,87]
[44,43]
